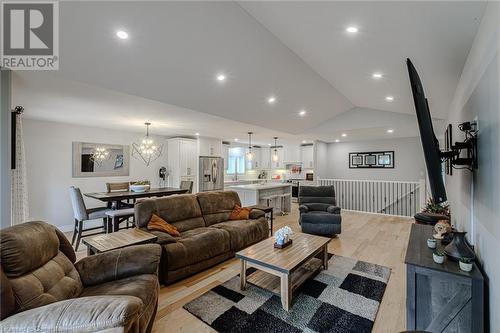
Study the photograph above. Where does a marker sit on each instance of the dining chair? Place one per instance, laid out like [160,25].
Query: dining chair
[187,185]
[117,187]
[112,187]
[81,214]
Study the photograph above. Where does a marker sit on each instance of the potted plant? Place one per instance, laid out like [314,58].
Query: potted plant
[465,264]
[431,243]
[432,207]
[438,256]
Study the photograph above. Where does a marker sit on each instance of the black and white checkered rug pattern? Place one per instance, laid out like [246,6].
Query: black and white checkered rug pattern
[344,298]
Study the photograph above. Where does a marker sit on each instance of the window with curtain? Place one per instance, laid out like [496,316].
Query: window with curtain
[236,161]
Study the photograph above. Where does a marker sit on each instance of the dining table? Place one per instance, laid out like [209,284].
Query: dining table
[115,199]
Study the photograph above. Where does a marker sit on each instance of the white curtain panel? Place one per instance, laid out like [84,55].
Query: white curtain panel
[20,211]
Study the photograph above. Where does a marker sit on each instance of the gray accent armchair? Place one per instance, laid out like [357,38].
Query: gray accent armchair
[319,214]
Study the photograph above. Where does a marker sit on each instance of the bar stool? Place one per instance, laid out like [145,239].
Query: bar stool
[270,200]
[283,197]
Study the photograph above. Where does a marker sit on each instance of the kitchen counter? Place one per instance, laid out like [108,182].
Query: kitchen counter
[256,187]
[275,194]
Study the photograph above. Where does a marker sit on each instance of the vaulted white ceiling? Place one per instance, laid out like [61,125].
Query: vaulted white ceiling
[296,51]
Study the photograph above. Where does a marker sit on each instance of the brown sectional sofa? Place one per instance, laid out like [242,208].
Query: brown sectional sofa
[207,238]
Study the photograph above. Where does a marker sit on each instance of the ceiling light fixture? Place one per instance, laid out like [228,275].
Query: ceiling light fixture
[221,77]
[337,140]
[377,75]
[352,29]
[344,135]
[197,134]
[389,98]
[390,130]
[275,152]
[304,141]
[271,100]
[249,153]
[147,150]
[122,34]
[302,113]
[236,139]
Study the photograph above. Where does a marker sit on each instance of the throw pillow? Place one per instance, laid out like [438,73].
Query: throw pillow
[240,213]
[159,224]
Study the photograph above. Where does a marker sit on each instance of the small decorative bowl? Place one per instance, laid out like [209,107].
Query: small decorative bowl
[431,243]
[139,188]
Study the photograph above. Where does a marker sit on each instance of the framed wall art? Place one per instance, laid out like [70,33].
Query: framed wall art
[375,159]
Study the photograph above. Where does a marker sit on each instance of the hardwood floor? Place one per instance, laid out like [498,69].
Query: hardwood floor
[373,238]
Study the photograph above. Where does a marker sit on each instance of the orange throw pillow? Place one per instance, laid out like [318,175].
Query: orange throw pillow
[159,224]
[240,213]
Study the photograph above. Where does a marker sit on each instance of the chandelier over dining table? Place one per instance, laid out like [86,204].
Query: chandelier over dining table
[147,149]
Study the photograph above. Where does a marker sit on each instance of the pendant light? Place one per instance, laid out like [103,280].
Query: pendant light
[275,152]
[249,153]
[147,150]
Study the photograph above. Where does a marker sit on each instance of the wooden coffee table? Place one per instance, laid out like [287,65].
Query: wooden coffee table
[284,270]
[117,240]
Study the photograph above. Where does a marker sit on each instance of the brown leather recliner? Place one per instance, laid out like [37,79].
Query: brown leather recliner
[43,289]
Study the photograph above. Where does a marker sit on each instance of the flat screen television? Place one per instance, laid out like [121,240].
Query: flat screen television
[430,144]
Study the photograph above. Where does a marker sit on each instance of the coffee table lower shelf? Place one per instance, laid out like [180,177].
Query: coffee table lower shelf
[281,283]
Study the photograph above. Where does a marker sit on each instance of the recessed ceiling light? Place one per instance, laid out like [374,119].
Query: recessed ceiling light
[236,139]
[352,29]
[337,140]
[389,98]
[221,77]
[344,135]
[197,134]
[304,141]
[302,113]
[268,144]
[122,34]
[390,130]
[377,75]
[271,100]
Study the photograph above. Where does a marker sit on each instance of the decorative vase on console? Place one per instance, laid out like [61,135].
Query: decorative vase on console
[459,247]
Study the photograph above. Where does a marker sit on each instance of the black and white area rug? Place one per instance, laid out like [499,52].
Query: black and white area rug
[344,298]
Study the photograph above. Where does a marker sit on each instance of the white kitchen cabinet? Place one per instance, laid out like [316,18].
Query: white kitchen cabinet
[265,158]
[209,147]
[182,161]
[307,156]
[291,153]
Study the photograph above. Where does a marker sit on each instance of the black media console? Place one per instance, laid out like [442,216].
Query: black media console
[441,298]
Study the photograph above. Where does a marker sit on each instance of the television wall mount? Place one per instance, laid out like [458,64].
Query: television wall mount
[463,155]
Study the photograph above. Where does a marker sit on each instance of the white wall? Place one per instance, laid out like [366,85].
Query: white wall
[49,167]
[474,197]
[320,155]
[5,171]
[408,157]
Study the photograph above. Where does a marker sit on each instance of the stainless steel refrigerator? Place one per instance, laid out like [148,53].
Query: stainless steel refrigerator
[211,173]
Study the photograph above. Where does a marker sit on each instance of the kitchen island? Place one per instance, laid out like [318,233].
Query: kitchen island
[278,195]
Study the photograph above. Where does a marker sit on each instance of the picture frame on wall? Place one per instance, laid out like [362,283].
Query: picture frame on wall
[375,159]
